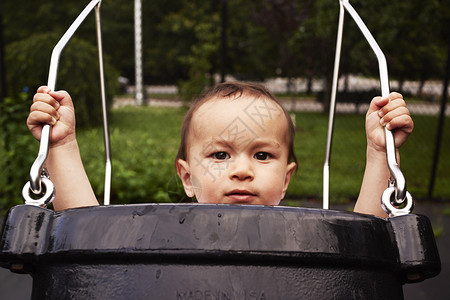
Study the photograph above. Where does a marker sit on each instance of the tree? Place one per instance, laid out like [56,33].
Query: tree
[195,30]
[282,19]
[295,36]
[413,53]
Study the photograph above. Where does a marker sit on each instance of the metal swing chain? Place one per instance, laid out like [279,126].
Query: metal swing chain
[396,194]
[40,190]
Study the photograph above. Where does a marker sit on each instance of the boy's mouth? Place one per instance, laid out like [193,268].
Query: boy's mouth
[241,196]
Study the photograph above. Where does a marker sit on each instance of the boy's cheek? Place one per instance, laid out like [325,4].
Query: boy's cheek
[209,170]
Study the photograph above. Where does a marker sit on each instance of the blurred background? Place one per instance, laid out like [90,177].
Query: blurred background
[187,45]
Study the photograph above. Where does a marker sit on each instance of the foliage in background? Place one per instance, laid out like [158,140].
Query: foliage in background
[143,155]
[200,23]
[143,168]
[18,149]
[181,46]
[78,72]
[294,37]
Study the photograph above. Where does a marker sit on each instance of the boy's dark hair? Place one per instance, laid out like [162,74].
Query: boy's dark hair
[229,89]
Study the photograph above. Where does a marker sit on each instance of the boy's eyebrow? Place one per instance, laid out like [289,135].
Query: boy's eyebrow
[215,141]
[209,146]
[218,140]
[265,142]
[257,142]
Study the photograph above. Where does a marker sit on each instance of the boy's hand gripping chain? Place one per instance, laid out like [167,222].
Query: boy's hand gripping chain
[40,190]
[396,194]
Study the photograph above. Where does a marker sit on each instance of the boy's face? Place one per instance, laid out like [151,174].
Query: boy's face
[237,152]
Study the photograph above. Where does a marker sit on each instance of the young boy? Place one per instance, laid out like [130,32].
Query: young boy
[236,147]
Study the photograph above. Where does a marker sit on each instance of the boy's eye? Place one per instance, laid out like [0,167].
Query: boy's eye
[262,156]
[220,155]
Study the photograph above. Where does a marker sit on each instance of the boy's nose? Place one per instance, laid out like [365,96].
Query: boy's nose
[241,169]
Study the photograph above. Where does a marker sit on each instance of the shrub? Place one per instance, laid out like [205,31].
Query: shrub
[28,60]
[144,142]
[20,149]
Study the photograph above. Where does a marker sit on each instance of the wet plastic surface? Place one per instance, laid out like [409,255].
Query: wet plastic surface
[216,251]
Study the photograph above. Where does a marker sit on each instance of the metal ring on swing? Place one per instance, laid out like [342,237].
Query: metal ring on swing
[46,197]
[37,182]
[387,203]
[398,180]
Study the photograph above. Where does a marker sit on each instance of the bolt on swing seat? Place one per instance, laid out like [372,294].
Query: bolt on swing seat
[198,251]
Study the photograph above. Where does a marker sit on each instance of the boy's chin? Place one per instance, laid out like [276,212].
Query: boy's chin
[238,200]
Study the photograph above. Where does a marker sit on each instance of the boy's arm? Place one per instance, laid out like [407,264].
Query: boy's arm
[392,113]
[66,170]
[64,165]
[375,181]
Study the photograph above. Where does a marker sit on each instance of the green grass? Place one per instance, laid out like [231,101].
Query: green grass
[345,170]
[145,140]
[417,158]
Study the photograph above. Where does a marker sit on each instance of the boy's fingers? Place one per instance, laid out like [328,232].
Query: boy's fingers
[44,93]
[395,95]
[384,103]
[46,98]
[403,122]
[43,89]
[398,111]
[376,104]
[63,97]
[58,95]
[45,108]
[392,106]
[38,118]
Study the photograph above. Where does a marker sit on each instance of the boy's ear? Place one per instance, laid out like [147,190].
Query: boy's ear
[184,173]
[289,172]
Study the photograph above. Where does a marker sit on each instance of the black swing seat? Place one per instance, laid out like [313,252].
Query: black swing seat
[197,251]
